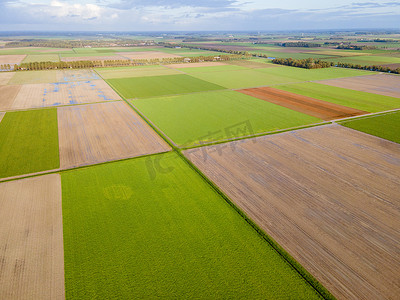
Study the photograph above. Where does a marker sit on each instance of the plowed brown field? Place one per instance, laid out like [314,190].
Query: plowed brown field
[11,59]
[2,115]
[63,93]
[383,84]
[31,239]
[329,195]
[310,106]
[5,77]
[7,95]
[102,132]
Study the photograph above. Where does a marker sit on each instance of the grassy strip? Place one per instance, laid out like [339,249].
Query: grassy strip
[28,142]
[385,125]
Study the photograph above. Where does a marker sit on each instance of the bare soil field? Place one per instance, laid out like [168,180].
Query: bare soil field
[5,77]
[194,65]
[82,58]
[146,55]
[383,84]
[76,75]
[31,239]
[310,106]
[11,59]
[102,132]
[63,93]
[2,115]
[7,95]
[328,195]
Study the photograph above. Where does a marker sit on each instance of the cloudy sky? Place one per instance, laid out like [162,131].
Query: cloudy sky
[188,15]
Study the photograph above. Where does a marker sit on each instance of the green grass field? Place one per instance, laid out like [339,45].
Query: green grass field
[243,78]
[385,126]
[313,74]
[196,70]
[28,142]
[142,71]
[41,57]
[346,97]
[206,117]
[152,86]
[47,76]
[132,231]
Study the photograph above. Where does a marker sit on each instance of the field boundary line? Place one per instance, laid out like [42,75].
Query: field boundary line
[366,116]
[62,170]
[303,273]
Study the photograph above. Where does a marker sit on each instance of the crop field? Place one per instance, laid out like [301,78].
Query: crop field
[208,69]
[32,50]
[327,194]
[76,75]
[34,77]
[41,57]
[1,115]
[125,72]
[367,60]
[102,132]
[385,126]
[206,117]
[63,93]
[7,95]
[383,84]
[92,57]
[31,239]
[195,65]
[346,97]
[152,86]
[28,142]
[317,108]
[5,77]
[253,64]
[147,55]
[243,78]
[128,234]
[11,59]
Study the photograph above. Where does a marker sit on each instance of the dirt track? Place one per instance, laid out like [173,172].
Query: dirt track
[313,107]
[31,239]
[383,84]
[102,132]
[329,195]
[7,95]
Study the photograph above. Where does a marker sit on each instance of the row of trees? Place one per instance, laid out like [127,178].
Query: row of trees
[369,68]
[234,52]
[308,63]
[117,63]
[299,44]
[355,47]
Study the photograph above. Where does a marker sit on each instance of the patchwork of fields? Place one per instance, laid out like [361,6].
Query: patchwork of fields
[179,181]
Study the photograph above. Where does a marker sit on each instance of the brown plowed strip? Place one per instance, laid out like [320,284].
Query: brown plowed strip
[310,106]
[329,195]
[11,59]
[7,95]
[103,132]
[31,239]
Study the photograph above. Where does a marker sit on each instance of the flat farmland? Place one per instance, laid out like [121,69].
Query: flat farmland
[253,64]
[328,195]
[310,106]
[30,77]
[243,78]
[208,69]
[28,142]
[194,65]
[31,239]
[153,86]
[207,117]
[5,77]
[385,126]
[147,55]
[63,93]
[76,75]
[2,115]
[11,59]
[341,96]
[125,72]
[7,95]
[103,132]
[80,57]
[41,57]
[382,84]
[133,231]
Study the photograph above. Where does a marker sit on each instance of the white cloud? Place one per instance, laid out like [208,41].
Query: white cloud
[64,9]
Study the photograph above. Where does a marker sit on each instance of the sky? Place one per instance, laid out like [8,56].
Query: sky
[193,15]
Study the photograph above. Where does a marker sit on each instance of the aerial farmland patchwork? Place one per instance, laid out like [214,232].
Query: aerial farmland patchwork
[170,171]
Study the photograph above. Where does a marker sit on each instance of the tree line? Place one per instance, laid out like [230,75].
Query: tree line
[369,68]
[299,44]
[308,63]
